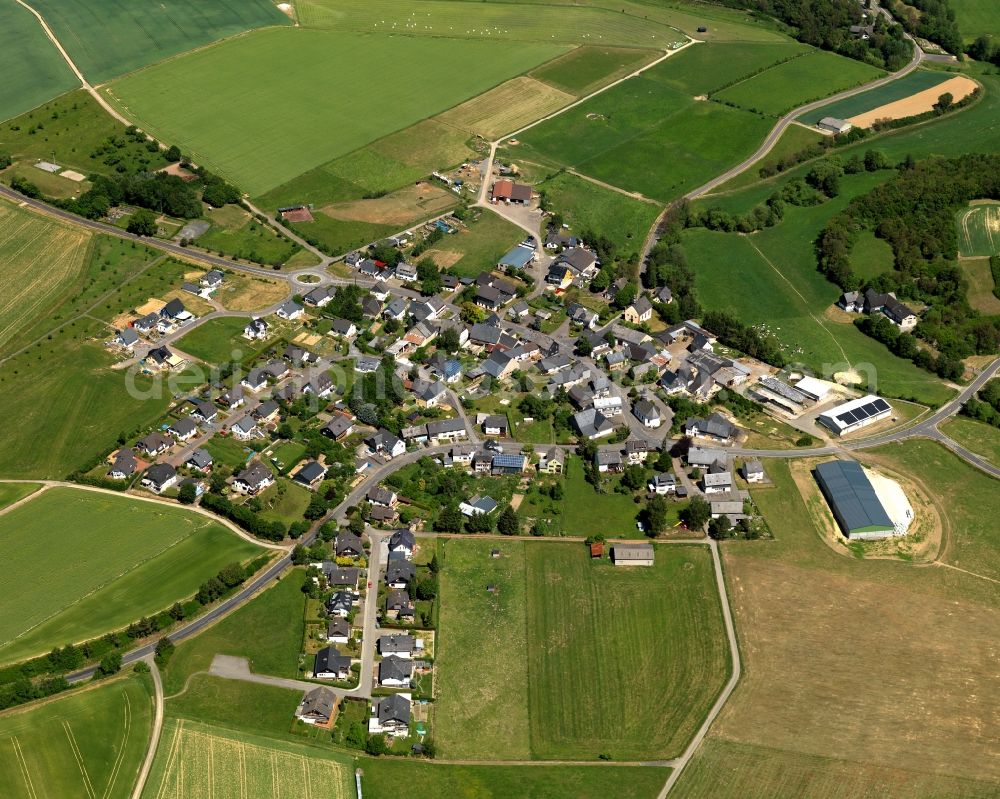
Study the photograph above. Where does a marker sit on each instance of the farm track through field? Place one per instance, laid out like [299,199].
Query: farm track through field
[78,757]
[23,765]
[126,731]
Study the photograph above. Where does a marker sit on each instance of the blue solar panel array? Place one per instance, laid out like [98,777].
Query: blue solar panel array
[873,408]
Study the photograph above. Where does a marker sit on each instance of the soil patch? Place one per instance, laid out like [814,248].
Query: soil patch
[398,208]
[959,87]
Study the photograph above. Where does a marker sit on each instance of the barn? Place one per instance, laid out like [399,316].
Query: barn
[854,501]
[850,416]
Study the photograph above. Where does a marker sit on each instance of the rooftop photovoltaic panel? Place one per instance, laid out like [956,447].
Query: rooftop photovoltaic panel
[881,405]
[848,417]
[870,409]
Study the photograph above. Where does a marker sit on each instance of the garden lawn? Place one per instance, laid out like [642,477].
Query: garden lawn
[786,86]
[286,506]
[587,207]
[643,136]
[32,68]
[247,108]
[216,341]
[109,560]
[978,437]
[429,781]
[706,68]
[585,512]
[267,631]
[80,745]
[227,450]
[558,622]
[786,293]
[107,38]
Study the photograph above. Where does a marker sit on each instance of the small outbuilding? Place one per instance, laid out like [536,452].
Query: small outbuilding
[632,554]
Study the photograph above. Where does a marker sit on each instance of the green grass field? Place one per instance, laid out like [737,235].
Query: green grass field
[871,256]
[916,81]
[978,437]
[791,297]
[794,139]
[73,129]
[103,575]
[33,69]
[709,67]
[206,760]
[570,637]
[267,631]
[783,87]
[216,341]
[266,136]
[586,512]
[107,38]
[976,18]
[582,70]
[15,492]
[480,246]
[979,230]
[234,232]
[81,745]
[981,294]
[589,207]
[382,779]
[643,136]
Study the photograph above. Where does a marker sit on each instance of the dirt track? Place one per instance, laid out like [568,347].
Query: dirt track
[959,87]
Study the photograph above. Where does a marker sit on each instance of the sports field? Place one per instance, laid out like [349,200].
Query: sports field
[979,230]
[783,87]
[644,136]
[247,108]
[556,675]
[382,779]
[976,18]
[584,69]
[32,68]
[107,38]
[708,67]
[891,698]
[108,560]
[82,745]
[206,761]
[916,81]
[40,257]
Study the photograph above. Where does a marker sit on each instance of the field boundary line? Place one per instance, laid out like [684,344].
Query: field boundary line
[113,777]
[25,500]
[23,765]
[964,571]
[805,302]
[87,784]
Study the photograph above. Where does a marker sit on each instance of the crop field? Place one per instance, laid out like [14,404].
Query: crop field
[589,207]
[586,68]
[979,230]
[86,744]
[383,166]
[103,575]
[247,107]
[505,22]
[15,492]
[107,38]
[235,233]
[976,18]
[32,68]
[383,777]
[508,107]
[814,623]
[790,297]
[644,136]
[39,257]
[558,621]
[916,81]
[206,761]
[785,86]
[217,341]
[703,69]
[978,437]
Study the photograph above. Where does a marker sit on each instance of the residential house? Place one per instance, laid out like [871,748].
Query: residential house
[406,272]
[639,311]
[592,424]
[310,475]
[338,428]
[499,365]
[340,604]
[403,542]
[390,716]
[146,324]
[705,457]
[159,477]
[401,646]
[715,427]
[184,429]
[583,316]
[255,380]
[233,398]
[559,276]
[126,338]
[395,672]
[289,310]
[370,307]
[256,330]
[317,707]
[212,279]
[461,455]
[607,460]
[320,385]
[124,465]
[753,472]
[400,574]
[299,356]
[379,495]
[319,297]
[851,301]
[508,463]
[200,459]
[343,327]
[496,425]
[154,444]
[175,312]
[720,482]
[478,506]
[429,394]
[664,295]
[663,483]
[204,412]
[347,544]
[329,664]
[396,309]
[341,576]
[446,430]
[338,631]
[253,479]
[637,450]
[268,411]
[398,605]
[552,461]
[386,444]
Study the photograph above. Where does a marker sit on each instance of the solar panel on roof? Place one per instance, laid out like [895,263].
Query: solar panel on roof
[847,417]
[881,404]
[870,409]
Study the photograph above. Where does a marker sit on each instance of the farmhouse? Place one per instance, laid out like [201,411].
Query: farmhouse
[855,414]
[853,500]
[317,706]
[510,192]
[632,554]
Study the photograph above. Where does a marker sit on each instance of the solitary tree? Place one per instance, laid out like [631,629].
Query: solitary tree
[656,515]
[508,523]
[696,513]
